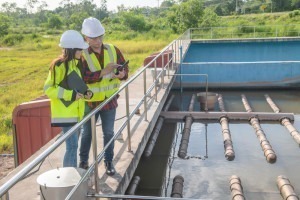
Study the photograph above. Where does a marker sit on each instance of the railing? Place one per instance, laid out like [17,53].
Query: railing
[174,46]
[271,31]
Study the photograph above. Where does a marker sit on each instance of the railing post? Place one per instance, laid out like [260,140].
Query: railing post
[145,96]
[94,142]
[155,79]
[276,31]
[169,62]
[254,33]
[163,69]
[5,196]
[180,61]
[128,117]
[211,33]
[175,53]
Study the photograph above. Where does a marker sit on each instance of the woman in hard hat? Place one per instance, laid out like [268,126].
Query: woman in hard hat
[67,104]
[99,64]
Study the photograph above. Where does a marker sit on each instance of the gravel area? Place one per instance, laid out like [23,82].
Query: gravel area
[6,165]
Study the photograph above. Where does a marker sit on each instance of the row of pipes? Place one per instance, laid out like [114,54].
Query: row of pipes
[284,185]
[224,121]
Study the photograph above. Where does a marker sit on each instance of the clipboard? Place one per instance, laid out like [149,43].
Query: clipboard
[74,82]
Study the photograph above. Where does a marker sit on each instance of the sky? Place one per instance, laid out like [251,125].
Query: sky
[111,4]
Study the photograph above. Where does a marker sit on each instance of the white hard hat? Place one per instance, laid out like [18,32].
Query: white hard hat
[72,39]
[92,27]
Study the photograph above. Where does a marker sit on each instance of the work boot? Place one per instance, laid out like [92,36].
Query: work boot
[83,165]
[110,170]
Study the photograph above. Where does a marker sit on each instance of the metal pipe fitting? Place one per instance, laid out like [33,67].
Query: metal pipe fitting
[264,143]
[177,187]
[236,188]
[286,189]
[133,185]
[228,147]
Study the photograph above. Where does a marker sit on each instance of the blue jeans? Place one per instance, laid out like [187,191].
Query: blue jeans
[70,157]
[108,122]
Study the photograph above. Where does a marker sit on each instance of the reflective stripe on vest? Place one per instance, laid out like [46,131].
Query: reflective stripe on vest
[64,120]
[105,88]
[89,61]
[60,93]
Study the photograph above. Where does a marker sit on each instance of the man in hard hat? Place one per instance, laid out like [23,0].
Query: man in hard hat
[100,62]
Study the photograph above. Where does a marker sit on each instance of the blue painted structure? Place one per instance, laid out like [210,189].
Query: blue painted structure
[242,63]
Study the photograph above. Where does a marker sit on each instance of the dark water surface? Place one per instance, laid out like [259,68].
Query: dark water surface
[206,172]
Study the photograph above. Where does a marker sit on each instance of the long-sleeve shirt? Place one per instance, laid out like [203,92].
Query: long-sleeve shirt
[92,77]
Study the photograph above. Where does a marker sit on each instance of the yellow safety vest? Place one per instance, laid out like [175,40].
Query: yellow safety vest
[64,111]
[107,86]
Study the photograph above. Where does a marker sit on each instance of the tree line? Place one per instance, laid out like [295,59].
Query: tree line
[172,15]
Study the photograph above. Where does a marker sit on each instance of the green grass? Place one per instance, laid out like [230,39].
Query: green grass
[24,68]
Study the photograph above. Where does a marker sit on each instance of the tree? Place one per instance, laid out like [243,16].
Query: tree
[77,19]
[167,4]
[54,21]
[102,12]
[282,5]
[4,25]
[31,4]
[9,8]
[209,18]
[295,4]
[185,15]
[134,22]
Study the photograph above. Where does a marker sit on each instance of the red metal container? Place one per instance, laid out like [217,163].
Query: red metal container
[167,55]
[32,128]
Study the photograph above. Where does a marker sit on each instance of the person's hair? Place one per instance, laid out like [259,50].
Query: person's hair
[66,56]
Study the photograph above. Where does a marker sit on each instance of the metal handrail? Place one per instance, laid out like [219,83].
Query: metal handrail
[24,171]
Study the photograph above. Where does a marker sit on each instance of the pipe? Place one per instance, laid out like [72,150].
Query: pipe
[272,104]
[221,103]
[177,187]
[179,116]
[284,121]
[228,147]
[191,106]
[185,137]
[264,143]
[293,131]
[286,189]
[133,185]
[236,188]
[186,132]
[156,130]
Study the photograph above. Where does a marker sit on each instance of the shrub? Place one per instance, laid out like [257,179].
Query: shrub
[12,39]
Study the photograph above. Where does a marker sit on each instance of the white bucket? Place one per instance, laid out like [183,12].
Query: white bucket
[211,100]
[56,184]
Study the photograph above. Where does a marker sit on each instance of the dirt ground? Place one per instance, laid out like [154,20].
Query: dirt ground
[6,165]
